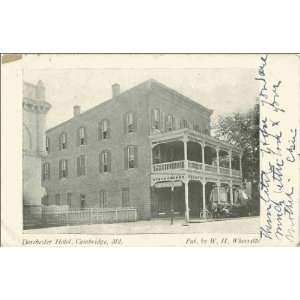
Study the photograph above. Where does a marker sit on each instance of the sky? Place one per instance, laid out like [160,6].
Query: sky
[225,90]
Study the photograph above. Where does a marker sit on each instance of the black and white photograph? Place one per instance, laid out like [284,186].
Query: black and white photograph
[136,151]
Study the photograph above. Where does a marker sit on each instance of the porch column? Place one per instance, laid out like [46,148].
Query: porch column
[185,152]
[231,193]
[230,166]
[203,198]
[186,198]
[218,162]
[241,172]
[151,157]
[218,190]
[203,158]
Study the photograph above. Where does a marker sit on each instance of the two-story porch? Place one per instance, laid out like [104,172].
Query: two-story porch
[210,171]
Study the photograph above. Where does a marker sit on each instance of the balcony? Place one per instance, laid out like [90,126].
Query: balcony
[187,150]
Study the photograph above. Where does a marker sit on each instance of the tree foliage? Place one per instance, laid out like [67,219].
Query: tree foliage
[242,130]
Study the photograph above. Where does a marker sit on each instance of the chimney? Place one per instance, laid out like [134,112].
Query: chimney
[115,90]
[76,110]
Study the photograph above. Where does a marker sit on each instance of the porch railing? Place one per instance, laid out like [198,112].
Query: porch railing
[210,168]
[172,165]
[236,172]
[225,171]
[194,165]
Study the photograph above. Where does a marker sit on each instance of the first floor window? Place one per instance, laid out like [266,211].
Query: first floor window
[69,199]
[81,165]
[125,197]
[82,201]
[103,199]
[57,199]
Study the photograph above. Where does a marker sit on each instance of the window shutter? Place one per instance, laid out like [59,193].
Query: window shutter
[162,121]
[135,156]
[66,167]
[173,123]
[59,143]
[100,162]
[43,171]
[152,119]
[126,158]
[59,169]
[85,136]
[48,170]
[78,137]
[125,123]
[108,129]
[83,165]
[181,124]
[78,166]
[134,121]
[109,161]
[100,130]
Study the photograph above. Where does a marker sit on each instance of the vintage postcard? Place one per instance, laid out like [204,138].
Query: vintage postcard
[150,149]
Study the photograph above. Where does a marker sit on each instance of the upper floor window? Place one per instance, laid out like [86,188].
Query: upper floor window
[69,199]
[82,136]
[63,168]
[125,197]
[196,126]
[105,161]
[82,201]
[130,122]
[103,199]
[170,123]
[184,124]
[46,171]
[57,199]
[47,144]
[155,118]
[104,130]
[81,165]
[63,141]
[131,157]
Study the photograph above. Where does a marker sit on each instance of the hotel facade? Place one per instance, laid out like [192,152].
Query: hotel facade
[118,153]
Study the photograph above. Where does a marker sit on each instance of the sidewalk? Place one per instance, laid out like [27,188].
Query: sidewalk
[162,226]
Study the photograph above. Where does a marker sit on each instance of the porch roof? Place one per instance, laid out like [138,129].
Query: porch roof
[192,135]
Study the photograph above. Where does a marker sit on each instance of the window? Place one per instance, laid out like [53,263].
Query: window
[170,123]
[103,199]
[130,122]
[125,197]
[63,141]
[82,201]
[45,200]
[57,199]
[63,168]
[81,136]
[184,124]
[46,171]
[131,157]
[155,118]
[69,199]
[47,144]
[105,161]
[104,130]
[81,165]
[196,126]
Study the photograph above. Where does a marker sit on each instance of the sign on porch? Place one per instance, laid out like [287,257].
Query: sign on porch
[169,184]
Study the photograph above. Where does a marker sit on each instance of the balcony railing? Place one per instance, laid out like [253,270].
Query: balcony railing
[172,165]
[192,165]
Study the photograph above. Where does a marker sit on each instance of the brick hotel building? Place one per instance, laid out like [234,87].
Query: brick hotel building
[114,154]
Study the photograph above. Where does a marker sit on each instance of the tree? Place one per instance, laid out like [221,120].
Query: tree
[242,130]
